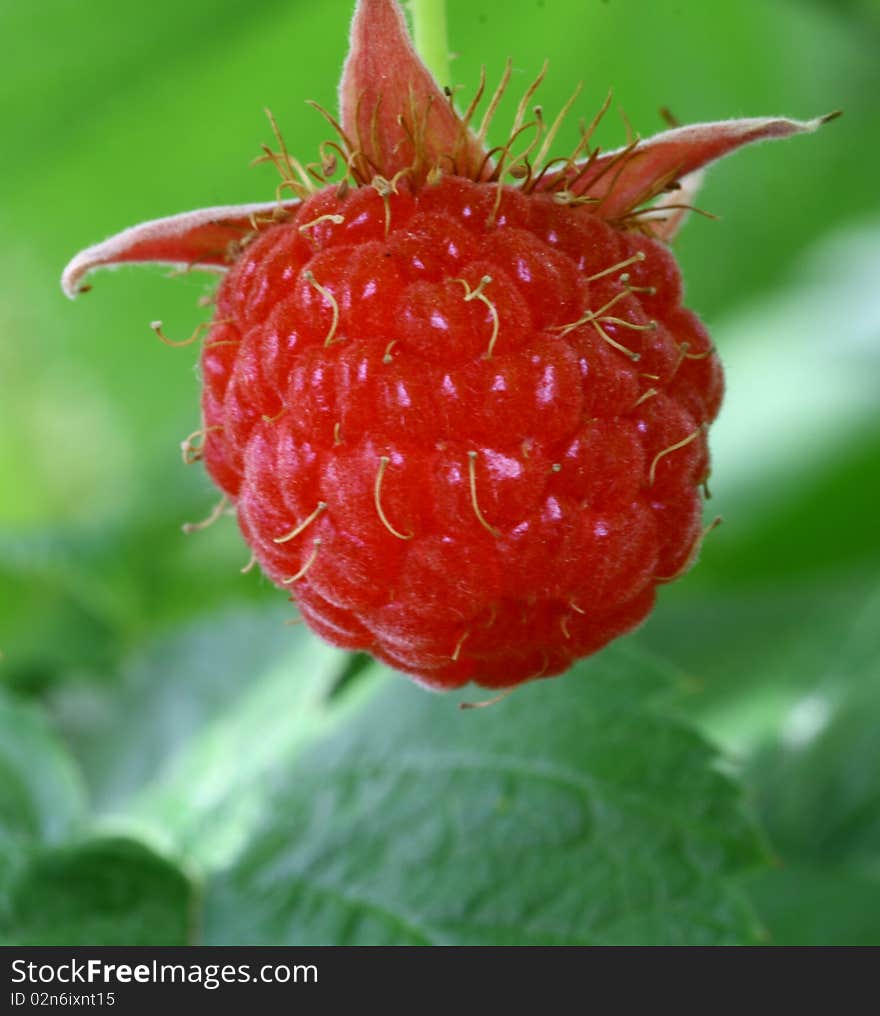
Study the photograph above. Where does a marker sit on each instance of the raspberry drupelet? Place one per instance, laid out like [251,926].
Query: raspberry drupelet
[456,400]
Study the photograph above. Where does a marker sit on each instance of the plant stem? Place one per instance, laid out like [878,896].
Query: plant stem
[429,23]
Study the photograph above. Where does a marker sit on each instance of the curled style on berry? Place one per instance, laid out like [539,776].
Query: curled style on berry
[451,391]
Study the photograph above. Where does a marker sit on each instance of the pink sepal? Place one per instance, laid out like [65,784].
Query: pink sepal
[626,178]
[201,239]
[393,112]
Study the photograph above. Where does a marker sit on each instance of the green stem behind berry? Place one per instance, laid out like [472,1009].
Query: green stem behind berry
[429,24]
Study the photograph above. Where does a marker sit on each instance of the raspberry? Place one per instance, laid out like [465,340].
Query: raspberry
[462,419]
[467,437]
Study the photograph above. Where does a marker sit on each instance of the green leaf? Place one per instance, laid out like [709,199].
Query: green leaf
[56,886]
[180,748]
[804,904]
[571,812]
[798,706]
[41,794]
[108,891]
[817,781]
[817,787]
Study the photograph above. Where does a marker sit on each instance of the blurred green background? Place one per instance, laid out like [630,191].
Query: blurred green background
[177,765]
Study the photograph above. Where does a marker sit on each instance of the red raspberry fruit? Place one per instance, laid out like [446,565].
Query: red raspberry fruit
[463,420]
[468,438]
